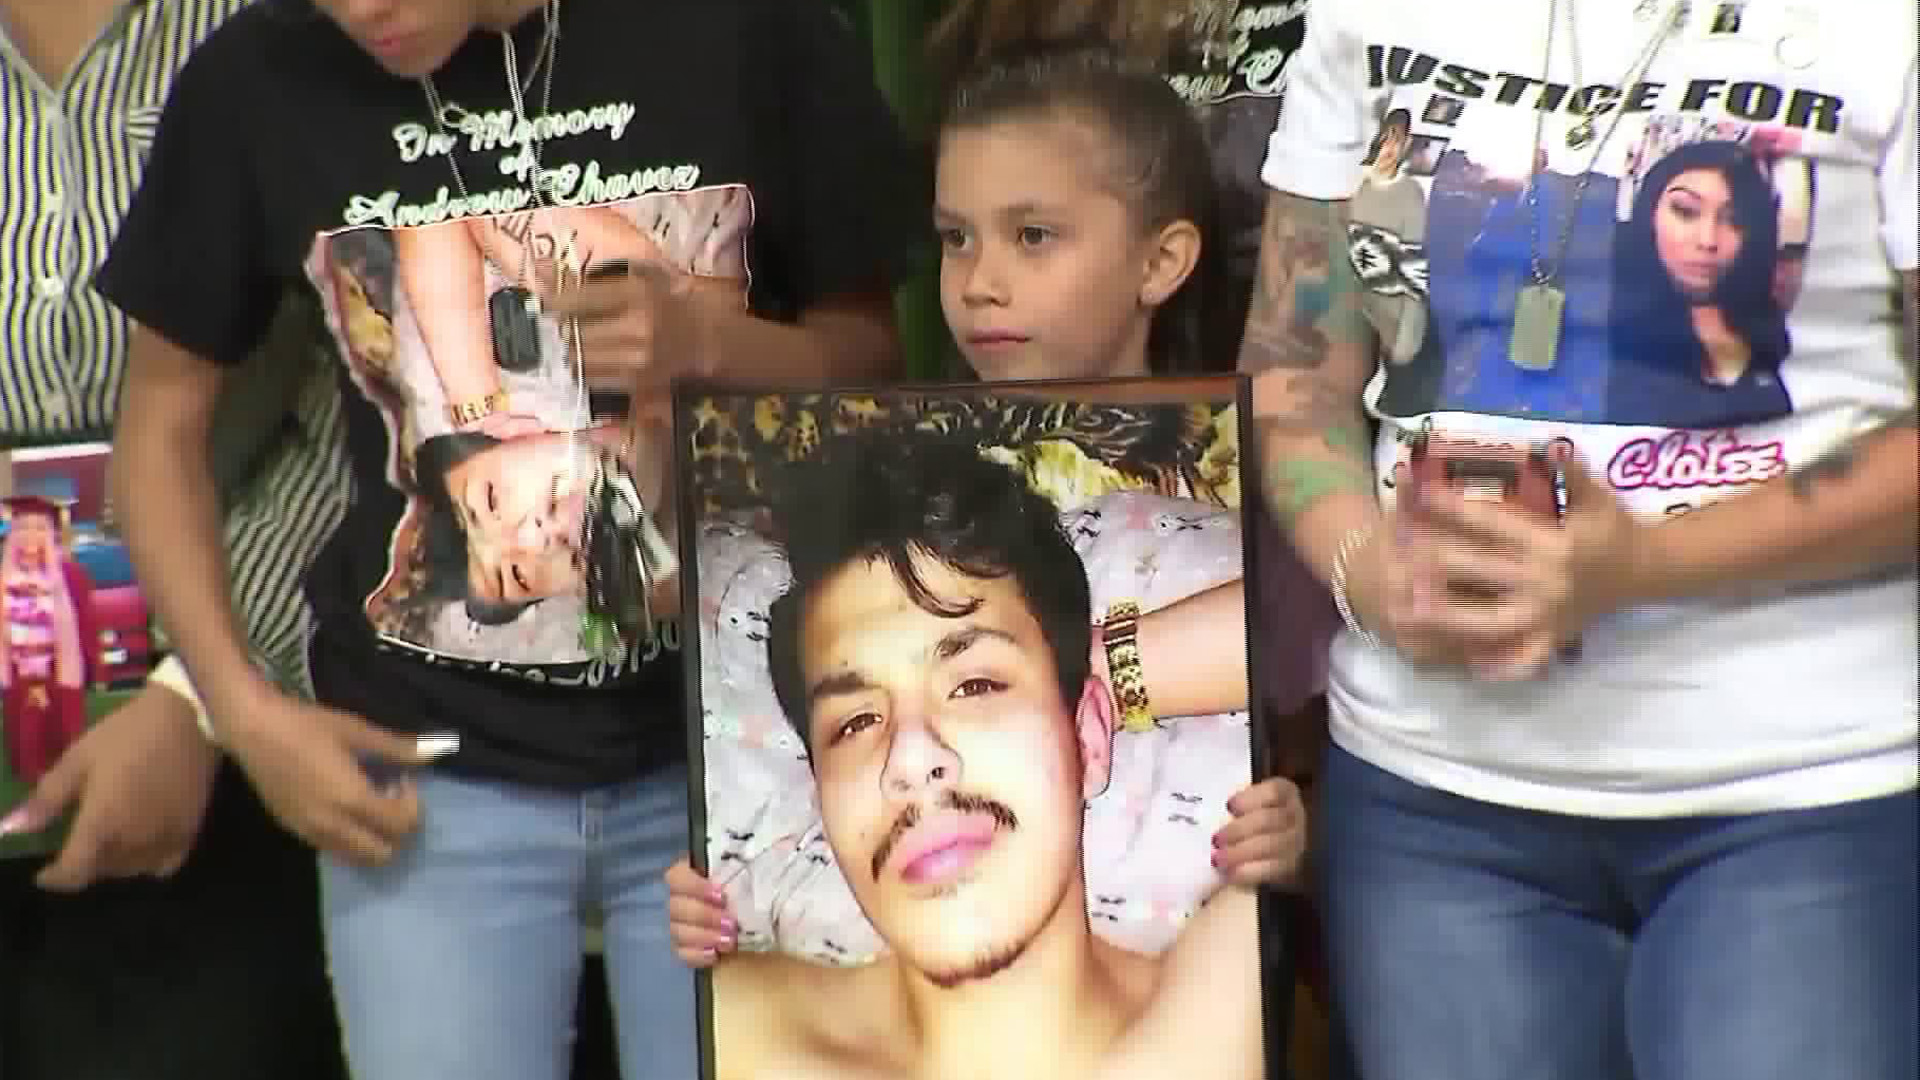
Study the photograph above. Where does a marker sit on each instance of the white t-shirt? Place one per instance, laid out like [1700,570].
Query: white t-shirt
[1729,268]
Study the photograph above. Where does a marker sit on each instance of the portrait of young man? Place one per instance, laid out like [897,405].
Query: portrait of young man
[938,656]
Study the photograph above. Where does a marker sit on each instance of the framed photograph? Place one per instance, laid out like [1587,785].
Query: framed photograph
[967,701]
[76,636]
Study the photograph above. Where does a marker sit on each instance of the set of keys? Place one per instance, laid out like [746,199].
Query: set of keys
[627,558]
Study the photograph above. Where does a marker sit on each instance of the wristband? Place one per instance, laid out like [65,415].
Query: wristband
[172,674]
[1120,635]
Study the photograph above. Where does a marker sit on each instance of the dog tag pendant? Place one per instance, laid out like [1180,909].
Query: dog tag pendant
[1537,311]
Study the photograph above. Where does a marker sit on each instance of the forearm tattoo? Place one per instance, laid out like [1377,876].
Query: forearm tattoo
[1297,478]
[1305,294]
[1306,301]
[1833,466]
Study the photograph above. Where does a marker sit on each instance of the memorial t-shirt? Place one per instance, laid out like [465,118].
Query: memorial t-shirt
[1727,239]
[739,141]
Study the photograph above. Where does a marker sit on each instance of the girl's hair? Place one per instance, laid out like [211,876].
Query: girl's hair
[1160,161]
[972,32]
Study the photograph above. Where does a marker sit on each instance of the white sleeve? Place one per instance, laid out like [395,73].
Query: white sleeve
[1899,193]
[1317,146]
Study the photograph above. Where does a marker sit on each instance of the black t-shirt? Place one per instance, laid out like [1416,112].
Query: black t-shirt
[741,141]
[1238,103]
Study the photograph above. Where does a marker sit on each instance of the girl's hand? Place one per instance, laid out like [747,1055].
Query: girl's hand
[697,918]
[1267,838]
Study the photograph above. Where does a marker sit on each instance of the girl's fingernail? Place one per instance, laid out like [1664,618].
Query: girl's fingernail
[728,926]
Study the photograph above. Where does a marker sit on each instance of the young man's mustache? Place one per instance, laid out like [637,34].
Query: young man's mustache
[1002,816]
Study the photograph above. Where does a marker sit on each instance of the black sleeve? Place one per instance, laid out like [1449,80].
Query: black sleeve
[861,193]
[187,262]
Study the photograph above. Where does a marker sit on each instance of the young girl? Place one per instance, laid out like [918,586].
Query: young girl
[1070,200]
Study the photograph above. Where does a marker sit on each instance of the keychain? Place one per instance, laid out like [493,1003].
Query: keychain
[626,558]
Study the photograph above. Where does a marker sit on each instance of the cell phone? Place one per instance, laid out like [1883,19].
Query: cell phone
[1525,477]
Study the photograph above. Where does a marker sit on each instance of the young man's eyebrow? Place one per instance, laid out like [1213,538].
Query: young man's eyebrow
[837,684]
[965,638]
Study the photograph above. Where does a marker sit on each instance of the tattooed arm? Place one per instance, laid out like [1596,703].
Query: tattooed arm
[1310,353]
[1853,512]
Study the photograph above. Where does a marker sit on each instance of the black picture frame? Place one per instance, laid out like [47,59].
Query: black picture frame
[1223,390]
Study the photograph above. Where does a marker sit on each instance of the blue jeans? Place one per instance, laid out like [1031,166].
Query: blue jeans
[1480,942]
[460,959]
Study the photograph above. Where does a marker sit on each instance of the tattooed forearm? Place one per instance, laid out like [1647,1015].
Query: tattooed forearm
[1305,294]
[1299,474]
[1305,403]
[1299,484]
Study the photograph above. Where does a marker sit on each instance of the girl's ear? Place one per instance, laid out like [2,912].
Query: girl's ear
[1172,254]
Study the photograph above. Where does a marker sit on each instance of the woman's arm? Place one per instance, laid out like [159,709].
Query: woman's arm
[283,517]
[1310,352]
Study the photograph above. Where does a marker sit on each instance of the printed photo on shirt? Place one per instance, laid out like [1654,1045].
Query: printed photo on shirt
[1707,263]
[905,752]
[76,635]
[1669,244]
[492,438]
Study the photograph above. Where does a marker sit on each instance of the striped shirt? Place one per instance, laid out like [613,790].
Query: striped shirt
[70,159]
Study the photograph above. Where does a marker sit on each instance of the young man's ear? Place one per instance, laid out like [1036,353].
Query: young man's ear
[1093,724]
[1171,259]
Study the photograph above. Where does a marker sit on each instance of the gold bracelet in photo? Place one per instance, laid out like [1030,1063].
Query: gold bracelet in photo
[478,409]
[1120,634]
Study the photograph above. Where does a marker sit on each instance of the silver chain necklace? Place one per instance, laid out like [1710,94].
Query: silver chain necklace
[544,59]
[1539,307]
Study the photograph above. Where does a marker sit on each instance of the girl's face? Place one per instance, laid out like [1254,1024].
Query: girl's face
[1044,272]
[1695,230]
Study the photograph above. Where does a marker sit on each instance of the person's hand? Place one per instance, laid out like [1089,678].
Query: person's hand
[1536,585]
[138,782]
[637,326]
[1267,838]
[310,765]
[1389,599]
[697,917]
